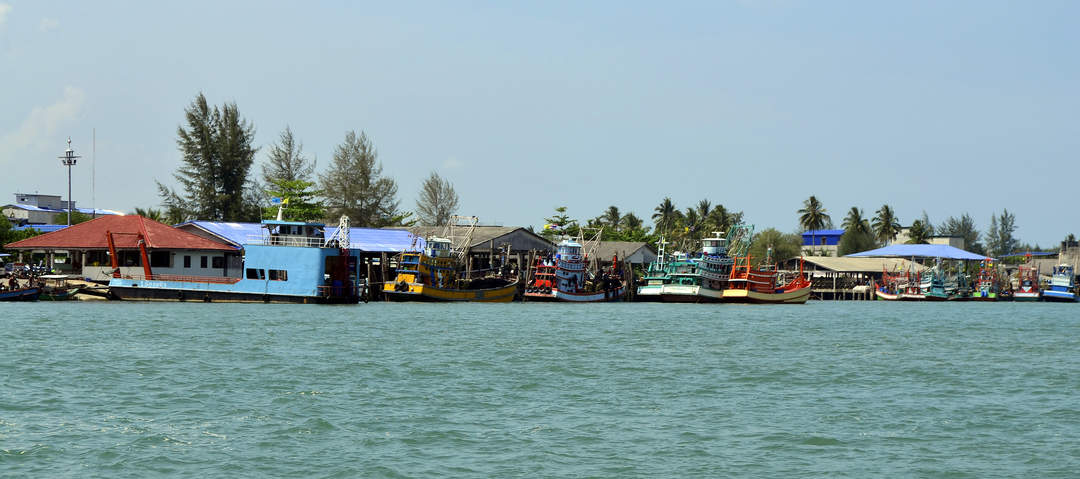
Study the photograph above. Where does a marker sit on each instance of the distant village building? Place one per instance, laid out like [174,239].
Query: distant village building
[634,252]
[821,242]
[905,235]
[38,209]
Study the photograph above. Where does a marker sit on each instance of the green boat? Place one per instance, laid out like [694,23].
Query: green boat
[56,288]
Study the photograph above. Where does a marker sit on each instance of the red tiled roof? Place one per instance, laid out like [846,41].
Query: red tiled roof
[91,235]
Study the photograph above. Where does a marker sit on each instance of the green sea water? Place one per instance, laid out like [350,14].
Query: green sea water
[827,389]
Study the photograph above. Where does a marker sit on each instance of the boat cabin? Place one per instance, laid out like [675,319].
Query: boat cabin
[438,247]
[569,251]
[715,245]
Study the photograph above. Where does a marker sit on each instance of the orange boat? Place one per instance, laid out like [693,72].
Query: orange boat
[752,285]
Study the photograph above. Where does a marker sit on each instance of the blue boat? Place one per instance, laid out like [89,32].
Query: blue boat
[24,294]
[1062,284]
[291,262]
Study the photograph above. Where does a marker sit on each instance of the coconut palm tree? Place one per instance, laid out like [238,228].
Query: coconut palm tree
[854,221]
[665,215]
[612,218]
[631,222]
[886,226]
[813,216]
[704,207]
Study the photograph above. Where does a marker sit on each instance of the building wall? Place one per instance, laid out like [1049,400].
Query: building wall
[230,265]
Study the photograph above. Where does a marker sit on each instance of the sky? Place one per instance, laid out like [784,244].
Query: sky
[943,107]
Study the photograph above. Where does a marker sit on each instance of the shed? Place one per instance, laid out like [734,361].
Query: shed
[636,252]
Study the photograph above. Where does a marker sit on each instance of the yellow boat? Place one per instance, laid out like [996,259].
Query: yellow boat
[432,275]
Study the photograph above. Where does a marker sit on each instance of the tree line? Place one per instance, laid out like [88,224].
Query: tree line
[215,181]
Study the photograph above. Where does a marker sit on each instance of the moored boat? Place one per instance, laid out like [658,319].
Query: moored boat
[656,276]
[434,273]
[20,294]
[56,288]
[760,285]
[1027,284]
[987,287]
[574,282]
[291,262]
[1062,285]
[714,267]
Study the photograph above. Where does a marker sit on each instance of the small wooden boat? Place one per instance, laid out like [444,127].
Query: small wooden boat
[22,294]
[56,288]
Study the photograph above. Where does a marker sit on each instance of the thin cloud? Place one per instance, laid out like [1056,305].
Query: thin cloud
[40,130]
[48,24]
[4,9]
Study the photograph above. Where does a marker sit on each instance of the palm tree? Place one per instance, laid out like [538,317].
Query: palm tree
[813,216]
[630,221]
[720,219]
[691,222]
[854,221]
[704,207]
[665,215]
[612,217]
[886,226]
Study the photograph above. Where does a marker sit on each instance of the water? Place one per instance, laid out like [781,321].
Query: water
[853,389]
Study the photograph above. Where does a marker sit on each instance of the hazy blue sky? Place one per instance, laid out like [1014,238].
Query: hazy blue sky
[947,107]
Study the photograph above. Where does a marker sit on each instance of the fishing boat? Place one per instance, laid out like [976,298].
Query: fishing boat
[656,276]
[56,288]
[290,262]
[748,284]
[1027,284]
[1062,285]
[930,286]
[20,294]
[574,282]
[541,285]
[714,266]
[892,285]
[435,273]
[683,280]
[986,283]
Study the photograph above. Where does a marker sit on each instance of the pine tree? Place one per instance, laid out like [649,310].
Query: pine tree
[354,185]
[437,201]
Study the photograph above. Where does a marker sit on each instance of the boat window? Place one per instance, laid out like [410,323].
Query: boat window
[187,261]
[279,275]
[202,262]
[217,262]
[254,273]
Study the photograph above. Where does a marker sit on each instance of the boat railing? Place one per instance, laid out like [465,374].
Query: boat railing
[285,240]
[182,278]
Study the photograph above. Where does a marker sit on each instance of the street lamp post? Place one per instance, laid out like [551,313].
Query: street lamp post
[69,159]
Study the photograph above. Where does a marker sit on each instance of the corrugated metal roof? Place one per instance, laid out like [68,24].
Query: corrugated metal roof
[379,240]
[236,233]
[607,249]
[861,265]
[41,228]
[920,251]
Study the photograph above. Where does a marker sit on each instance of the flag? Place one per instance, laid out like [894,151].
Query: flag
[285,202]
[275,200]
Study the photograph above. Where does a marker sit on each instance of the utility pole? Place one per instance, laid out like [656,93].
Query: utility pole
[69,159]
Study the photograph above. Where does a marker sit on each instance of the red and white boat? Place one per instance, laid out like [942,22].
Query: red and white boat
[566,277]
[759,285]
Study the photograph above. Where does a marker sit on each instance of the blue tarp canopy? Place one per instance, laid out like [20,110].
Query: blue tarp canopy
[918,251]
[373,240]
[378,240]
[1029,253]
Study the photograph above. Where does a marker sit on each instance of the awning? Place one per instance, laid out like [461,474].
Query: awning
[919,251]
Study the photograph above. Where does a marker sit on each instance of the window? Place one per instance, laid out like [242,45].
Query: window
[253,273]
[187,261]
[217,262]
[279,275]
[202,262]
[159,259]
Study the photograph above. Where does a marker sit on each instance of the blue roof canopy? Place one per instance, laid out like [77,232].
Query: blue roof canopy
[918,251]
[375,240]
[823,233]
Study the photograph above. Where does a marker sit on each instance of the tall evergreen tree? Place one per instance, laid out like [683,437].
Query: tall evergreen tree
[354,185]
[437,201]
[964,226]
[286,161]
[217,157]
